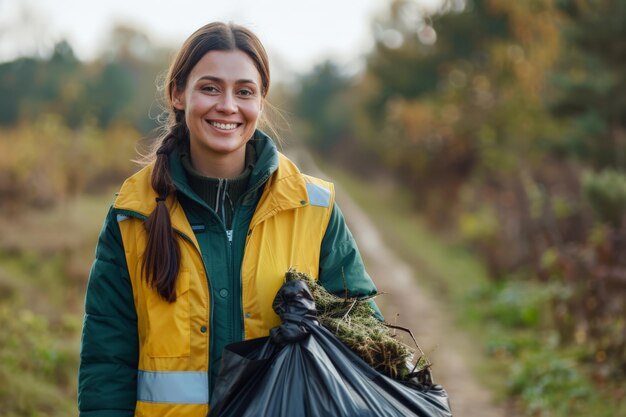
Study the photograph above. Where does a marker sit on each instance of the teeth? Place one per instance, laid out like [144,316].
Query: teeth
[225,126]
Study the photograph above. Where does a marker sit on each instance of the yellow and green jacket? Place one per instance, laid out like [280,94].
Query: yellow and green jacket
[143,356]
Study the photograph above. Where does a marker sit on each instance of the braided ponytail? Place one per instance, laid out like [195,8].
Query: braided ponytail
[161,261]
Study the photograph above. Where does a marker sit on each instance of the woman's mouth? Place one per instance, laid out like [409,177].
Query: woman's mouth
[224,126]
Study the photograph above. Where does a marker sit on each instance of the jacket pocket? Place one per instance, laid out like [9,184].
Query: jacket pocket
[169,330]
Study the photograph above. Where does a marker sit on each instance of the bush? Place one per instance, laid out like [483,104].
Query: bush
[547,381]
[606,193]
[45,162]
[37,371]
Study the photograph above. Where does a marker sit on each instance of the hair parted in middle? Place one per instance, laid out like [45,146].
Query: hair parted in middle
[161,261]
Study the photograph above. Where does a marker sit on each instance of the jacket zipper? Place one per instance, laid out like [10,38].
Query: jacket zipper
[229,235]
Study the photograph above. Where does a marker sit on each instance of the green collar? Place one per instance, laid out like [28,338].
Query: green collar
[266,165]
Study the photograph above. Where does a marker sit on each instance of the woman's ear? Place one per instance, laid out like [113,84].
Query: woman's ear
[178,100]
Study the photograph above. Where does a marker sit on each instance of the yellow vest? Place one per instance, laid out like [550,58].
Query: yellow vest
[286,231]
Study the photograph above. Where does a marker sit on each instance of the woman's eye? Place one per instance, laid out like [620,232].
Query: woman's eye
[209,88]
[245,92]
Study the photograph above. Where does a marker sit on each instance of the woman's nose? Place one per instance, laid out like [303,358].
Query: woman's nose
[227,104]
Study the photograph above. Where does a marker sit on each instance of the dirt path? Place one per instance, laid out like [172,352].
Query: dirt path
[427,317]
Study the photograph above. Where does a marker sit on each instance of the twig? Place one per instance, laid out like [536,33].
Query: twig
[423,355]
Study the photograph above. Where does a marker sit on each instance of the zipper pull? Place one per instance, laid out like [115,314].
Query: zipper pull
[217,197]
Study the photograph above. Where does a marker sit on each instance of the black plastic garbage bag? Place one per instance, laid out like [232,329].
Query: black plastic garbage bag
[302,369]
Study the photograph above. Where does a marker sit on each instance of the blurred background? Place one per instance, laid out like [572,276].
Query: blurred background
[485,138]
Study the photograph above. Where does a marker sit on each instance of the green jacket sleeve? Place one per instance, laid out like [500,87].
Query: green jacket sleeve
[107,376]
[341,265]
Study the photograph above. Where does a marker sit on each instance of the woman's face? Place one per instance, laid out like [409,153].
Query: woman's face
[222,101]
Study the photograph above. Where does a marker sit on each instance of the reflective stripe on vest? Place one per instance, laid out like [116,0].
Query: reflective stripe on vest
[318,195]
[173,387]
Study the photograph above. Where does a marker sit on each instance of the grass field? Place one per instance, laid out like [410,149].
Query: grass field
[45,258]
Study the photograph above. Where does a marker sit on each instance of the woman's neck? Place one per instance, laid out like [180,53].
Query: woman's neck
[214,165]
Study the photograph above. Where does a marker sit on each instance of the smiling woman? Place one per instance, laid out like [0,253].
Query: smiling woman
[222,103]
[198,242]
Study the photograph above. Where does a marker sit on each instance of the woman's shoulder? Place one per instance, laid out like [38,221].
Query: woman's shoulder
[289,168]
[320,192]
[137,191]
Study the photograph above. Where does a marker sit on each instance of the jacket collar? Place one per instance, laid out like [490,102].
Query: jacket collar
[284,187]
[285,190]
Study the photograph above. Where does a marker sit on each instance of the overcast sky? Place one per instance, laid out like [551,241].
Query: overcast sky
[296,33]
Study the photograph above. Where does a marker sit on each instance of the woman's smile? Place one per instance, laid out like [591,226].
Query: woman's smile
[225,126]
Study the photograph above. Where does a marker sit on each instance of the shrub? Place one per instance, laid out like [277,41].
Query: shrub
[606,193]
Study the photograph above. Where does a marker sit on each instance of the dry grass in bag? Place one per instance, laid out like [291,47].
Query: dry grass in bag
[352,321]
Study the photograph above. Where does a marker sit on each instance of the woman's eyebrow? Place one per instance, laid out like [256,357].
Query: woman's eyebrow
[220,80]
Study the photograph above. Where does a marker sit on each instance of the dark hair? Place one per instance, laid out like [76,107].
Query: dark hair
[161,261]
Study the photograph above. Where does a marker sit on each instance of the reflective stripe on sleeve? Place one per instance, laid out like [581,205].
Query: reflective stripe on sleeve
[173,387]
